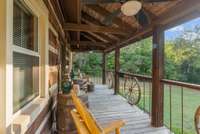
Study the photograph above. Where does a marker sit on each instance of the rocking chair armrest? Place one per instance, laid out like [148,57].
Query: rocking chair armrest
[113,126]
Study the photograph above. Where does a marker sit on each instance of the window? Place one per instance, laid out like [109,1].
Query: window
[53,59]
[25,56]
[25,28]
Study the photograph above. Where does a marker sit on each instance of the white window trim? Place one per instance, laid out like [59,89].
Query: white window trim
[39,9]
[28,52]
[25,51]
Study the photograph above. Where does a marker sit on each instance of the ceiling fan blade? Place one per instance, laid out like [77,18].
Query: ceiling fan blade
[108,20]
[142,18]
[157,0]
[101,1]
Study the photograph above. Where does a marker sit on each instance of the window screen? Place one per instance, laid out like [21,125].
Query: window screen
[24,28]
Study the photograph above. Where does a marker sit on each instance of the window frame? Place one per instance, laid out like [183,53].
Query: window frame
[29,52]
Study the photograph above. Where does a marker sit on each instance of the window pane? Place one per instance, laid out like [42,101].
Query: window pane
[24,28]
[26,79]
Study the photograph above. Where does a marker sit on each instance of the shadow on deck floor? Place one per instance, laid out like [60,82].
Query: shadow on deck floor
[107,107]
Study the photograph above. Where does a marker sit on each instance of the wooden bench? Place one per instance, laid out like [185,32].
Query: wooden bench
[85,122]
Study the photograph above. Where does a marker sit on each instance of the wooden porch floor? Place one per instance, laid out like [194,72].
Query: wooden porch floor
[107,107]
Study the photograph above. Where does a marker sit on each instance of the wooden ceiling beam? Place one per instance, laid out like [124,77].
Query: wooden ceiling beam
[78,18]
[72,13]
[104,13]
[184,11]
[86,16]
[102,37]
[92,28]
[92,21]
[86,48]
[89,43]
[89,37]
[58,11]
[141,34]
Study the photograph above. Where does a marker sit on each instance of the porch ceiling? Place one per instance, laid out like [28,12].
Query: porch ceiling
[87,30]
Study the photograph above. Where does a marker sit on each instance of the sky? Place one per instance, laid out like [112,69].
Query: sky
[175,32]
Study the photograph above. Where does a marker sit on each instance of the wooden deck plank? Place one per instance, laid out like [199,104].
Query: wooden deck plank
[107,107]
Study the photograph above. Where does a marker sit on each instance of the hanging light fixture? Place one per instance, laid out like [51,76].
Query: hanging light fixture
[131,8]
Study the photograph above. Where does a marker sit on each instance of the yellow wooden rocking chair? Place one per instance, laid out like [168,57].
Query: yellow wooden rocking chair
[85,122]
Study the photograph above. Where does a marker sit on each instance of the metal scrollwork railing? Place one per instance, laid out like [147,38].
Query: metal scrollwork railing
[197,120]
[131,90]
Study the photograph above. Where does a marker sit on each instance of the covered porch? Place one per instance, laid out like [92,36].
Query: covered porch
[114,107]
[95,26]
[39,39]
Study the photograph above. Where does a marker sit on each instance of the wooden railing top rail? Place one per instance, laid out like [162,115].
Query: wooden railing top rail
[109,70]
[182,84]
[165,81]
[141,77]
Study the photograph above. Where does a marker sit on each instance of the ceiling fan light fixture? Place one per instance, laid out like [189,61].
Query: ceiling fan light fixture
[131,8]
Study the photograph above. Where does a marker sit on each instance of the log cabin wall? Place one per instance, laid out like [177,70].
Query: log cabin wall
[37,115]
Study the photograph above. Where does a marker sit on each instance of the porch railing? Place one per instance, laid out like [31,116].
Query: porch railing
[181,100]
[136,89]
[95,76]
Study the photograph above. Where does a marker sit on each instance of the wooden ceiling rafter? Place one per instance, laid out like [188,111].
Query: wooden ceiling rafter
[93,28]
[101,37]
[71,14]
[78,18]
[103,12]
[142,33]
[90,43]
[83,47]
[89,37]
[92,21]
[58,10]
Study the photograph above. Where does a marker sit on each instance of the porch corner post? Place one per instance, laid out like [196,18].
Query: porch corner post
[157,76]
[117,67]
[104,68]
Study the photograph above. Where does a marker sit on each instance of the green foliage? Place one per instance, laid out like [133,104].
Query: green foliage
[182,58]
[88,63]
[137,58]
[110,61]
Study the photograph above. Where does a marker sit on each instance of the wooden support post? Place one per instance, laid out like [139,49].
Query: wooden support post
[104,68]
[117,67]
[157,75]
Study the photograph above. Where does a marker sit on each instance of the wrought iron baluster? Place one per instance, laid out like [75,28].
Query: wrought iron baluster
[182,110]
[144,95]
[150,98]
[170,105]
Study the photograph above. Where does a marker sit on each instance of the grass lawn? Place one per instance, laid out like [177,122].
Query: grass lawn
[191,101]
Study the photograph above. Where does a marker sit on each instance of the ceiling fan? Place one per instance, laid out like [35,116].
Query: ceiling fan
[131,8]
